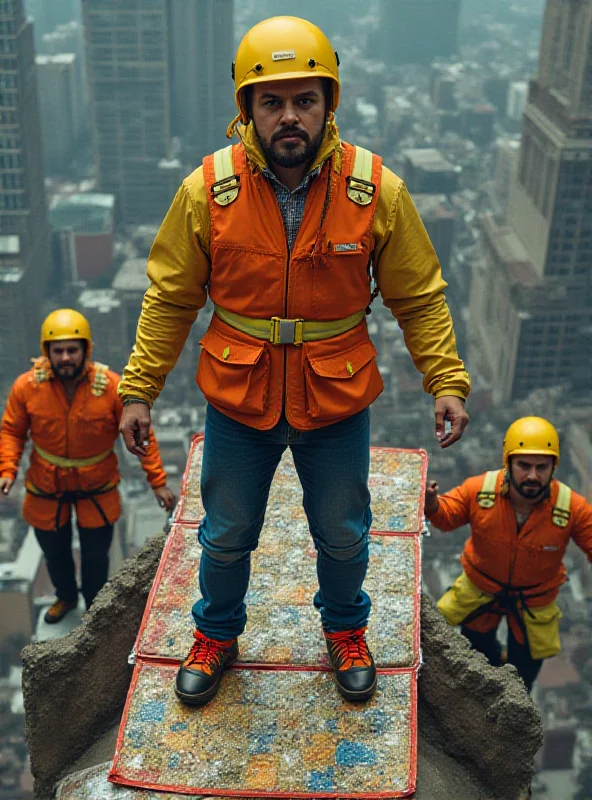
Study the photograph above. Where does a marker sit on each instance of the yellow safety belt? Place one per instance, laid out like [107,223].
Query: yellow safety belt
[61,461]
[225,189]
[360,188]
[289,331]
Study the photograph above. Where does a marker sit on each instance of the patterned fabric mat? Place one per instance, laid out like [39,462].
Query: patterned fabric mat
[283,626]
[269,732]
[397,483]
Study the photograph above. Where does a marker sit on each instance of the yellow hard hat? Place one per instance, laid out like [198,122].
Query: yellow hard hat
[532,436]
[281,48]
[65,323]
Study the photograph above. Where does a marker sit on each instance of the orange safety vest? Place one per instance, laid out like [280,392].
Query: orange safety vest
[324,278]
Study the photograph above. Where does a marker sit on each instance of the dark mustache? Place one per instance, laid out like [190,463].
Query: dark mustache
[288,134]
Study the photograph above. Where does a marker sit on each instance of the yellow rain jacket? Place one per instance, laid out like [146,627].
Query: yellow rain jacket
[406,269]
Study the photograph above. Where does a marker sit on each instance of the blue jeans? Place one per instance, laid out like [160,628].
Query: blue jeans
[238,466]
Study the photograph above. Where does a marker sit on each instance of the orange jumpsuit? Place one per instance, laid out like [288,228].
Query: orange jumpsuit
[84,430]
[496,556]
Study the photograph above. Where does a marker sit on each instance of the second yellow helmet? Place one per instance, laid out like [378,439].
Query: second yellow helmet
[281,48]
[532,436]
[65,323]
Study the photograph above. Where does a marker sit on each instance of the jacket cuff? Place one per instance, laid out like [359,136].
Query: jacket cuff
[450,393]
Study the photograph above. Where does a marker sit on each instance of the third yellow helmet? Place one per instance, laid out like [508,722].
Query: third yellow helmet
[532,436]
[281,48]
[65,323]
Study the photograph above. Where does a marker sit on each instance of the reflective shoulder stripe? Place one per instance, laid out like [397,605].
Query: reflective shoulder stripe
[360,188]
[226,185]
[101,379]
[561,510]
[486,497]
[363,164]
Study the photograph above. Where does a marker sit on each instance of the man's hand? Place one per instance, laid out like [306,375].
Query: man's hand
[135,428]
[5,485]
[431,498]
[451,409]
[166,499]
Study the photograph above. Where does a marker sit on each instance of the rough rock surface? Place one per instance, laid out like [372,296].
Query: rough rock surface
[478,729]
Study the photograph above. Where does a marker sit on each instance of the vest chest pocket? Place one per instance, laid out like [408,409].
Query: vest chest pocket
[233,374]
[340,385]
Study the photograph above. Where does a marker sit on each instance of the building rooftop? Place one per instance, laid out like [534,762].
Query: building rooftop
[84,213]
[101,300]
[433,206]
[10,245]
[132,277]
[26,564]
[428,158]
[59,58]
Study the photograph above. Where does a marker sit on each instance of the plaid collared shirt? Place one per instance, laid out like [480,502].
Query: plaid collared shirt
[291,203]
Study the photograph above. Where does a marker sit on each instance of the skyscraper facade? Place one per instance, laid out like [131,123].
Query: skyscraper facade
[127,51]
[202,90]
[531,308]
[25,250]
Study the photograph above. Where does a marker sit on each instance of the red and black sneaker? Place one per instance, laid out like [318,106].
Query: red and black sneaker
[352,662]
[198,678]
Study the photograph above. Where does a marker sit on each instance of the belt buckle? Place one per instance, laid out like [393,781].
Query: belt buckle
[286,331]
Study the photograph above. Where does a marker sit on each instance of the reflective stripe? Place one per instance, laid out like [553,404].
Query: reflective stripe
[226,183]
[360,188]
[486,497]
[60,461]
[561,510]
[363,164]
[304,330]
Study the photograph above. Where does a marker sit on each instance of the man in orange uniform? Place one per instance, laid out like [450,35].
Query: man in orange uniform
[521,521]
[281,230]
[70,407]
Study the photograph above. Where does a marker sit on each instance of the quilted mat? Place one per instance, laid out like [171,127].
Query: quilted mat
[278,727]
[279,602]
[269,733]
[396,481]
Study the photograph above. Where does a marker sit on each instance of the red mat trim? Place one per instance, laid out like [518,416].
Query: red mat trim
[113,776]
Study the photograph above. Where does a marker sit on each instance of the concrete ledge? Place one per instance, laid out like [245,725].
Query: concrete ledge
[75,689]
[487,718]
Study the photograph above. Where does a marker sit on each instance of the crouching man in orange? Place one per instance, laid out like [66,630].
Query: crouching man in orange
[521,521]
[70,407]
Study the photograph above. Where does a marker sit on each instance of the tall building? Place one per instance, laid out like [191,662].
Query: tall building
[417,31]
[531,307]
[60,98]
[202,90]
[127,48]
[25,249]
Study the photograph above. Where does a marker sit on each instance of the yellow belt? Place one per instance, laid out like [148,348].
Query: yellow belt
[289,331]
[60,461]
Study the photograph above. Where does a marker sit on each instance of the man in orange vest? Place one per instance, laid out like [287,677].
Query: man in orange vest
[521,522]
[281,230]
[69,406]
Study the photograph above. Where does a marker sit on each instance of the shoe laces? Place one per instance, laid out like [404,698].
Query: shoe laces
[206,655]
[349,649]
